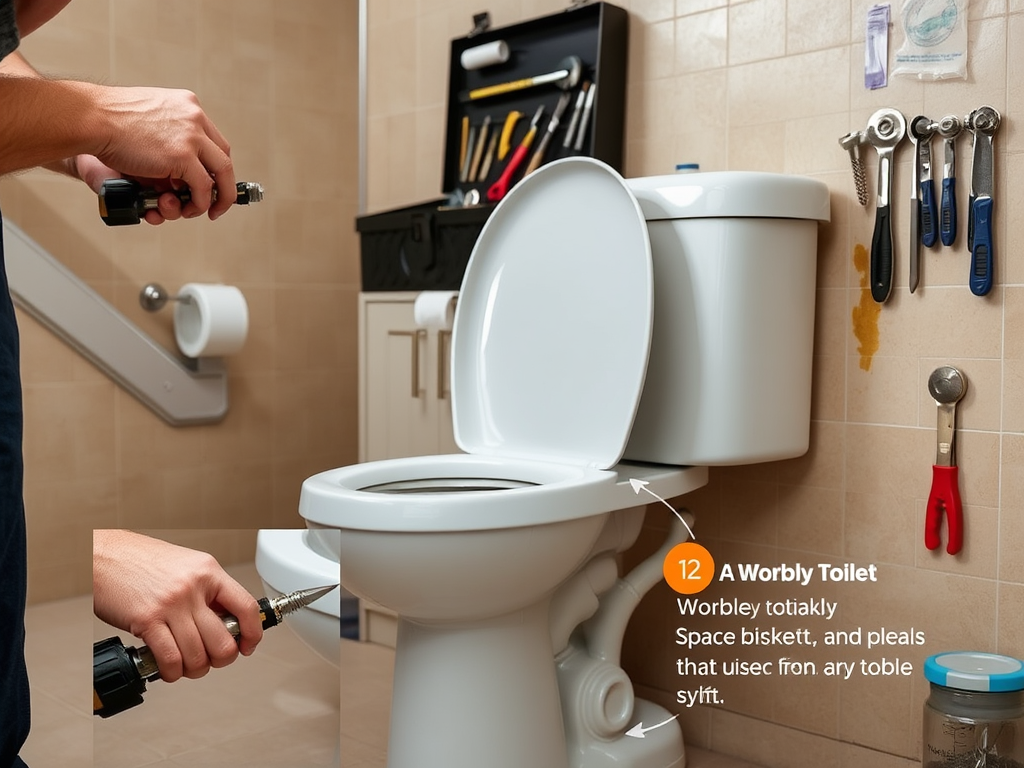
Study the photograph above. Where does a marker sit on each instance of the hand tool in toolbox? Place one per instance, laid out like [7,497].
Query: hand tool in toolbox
[463,142]
[478,153]
[565,77]
[488,157]
[983,123]
[499,189]
[885,130]
[947,386]
[949,128]
[120,674]
[556,117]
[467,161]
[922,129]
[575,119]
[123,201]
[851,143]
[505,145]
[585,120]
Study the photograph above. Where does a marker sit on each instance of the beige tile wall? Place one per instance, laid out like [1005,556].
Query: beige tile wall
[280,82]
[771,85]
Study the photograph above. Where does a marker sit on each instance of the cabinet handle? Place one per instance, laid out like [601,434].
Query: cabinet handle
[443,341]
[415,364]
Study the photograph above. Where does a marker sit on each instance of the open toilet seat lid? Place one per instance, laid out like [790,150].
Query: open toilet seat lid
[553,325]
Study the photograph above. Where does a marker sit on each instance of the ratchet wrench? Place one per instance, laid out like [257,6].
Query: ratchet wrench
[885,131]
[983,123]
[949,129]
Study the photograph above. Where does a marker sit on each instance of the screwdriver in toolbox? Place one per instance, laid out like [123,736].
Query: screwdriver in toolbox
[499,189]
[120,674]
[123,201]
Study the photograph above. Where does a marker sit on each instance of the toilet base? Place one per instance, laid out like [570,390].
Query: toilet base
[659,748]
[485,694]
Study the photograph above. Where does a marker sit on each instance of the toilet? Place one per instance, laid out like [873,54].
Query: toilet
[607,331]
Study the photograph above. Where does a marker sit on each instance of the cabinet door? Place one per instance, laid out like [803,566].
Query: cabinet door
[405,406]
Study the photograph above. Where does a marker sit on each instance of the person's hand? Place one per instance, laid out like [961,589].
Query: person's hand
[93,172]
[172,597]
[163,133]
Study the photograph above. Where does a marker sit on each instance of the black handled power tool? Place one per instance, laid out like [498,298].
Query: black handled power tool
[120,673]
[123,201]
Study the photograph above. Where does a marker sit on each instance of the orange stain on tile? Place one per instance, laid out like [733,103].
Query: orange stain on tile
[865,314]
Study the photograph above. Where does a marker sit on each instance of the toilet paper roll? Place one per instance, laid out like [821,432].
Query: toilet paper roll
[485,55]
[435,310]
[210,320]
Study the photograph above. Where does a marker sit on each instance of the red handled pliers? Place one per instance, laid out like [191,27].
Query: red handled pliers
[944,498]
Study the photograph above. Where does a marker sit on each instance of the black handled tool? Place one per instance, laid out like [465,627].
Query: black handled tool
[123,201]
[120,673]
[885,131]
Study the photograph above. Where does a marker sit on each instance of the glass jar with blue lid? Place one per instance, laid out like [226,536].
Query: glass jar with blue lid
[975,711]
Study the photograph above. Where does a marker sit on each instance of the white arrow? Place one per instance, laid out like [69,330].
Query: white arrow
[638,730]
[639,485]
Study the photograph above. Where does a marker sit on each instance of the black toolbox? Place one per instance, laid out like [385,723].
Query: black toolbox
[427,246]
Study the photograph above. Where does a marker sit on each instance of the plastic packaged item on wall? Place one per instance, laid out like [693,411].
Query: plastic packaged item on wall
[935,44]
[974,714]
[876,48]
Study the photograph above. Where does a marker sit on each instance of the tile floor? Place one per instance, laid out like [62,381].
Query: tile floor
[279,707]
[276,708]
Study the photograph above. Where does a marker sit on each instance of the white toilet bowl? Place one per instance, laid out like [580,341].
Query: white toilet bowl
[492,558]
[292,559]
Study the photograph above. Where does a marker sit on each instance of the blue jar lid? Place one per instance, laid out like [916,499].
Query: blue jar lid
[687,167]
[975,671]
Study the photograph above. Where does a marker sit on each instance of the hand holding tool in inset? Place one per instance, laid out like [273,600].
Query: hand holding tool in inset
[885,131]
[983,123]
[947,386]
[120,673]
[123,201]
[851,143]
[922,129]
[949,129]
[499,188]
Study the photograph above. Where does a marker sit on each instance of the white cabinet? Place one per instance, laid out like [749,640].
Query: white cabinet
[404,380]
[404,404]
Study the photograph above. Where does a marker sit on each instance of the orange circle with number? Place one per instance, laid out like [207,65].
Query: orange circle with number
[688,568]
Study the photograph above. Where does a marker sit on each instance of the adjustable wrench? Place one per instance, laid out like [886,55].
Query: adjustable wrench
[885,131]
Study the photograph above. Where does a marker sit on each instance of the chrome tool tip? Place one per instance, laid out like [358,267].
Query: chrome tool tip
[300,598]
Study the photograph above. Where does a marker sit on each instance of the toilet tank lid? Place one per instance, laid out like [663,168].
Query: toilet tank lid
[731,194]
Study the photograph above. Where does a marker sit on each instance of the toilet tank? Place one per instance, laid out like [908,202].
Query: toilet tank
[729,376]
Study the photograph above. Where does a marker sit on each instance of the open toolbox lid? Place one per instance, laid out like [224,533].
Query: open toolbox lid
[597,34]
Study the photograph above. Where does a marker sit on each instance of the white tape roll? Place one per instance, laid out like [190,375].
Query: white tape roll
[435,310]
[485,55]
[210,320]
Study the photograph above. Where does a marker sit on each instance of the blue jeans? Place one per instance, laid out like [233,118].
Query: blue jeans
[14,695]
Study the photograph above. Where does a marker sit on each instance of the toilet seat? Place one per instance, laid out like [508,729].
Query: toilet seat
[549,354]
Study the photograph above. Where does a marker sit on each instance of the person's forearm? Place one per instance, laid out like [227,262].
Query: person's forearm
[32,14]
[45,121]
[17,66]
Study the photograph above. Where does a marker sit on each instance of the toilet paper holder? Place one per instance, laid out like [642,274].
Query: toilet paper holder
[153,297]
